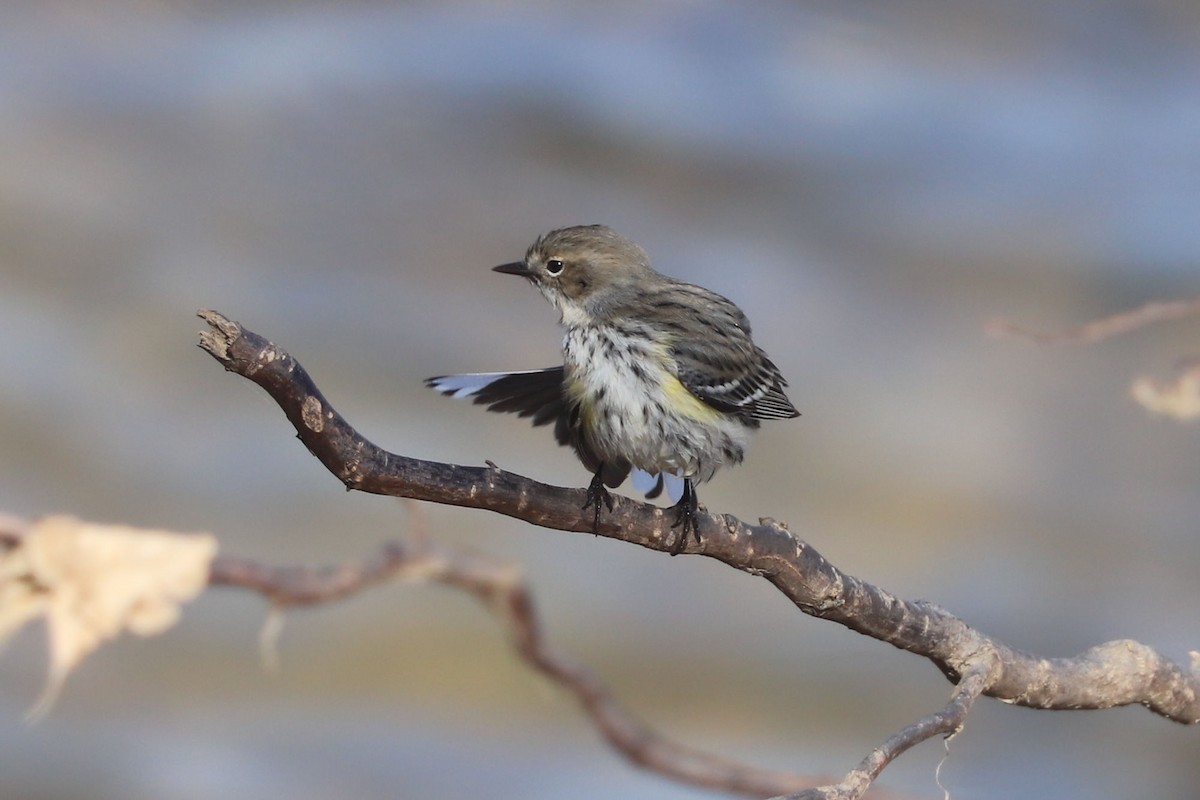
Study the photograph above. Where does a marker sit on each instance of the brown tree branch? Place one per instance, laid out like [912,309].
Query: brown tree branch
[1116,673]
[504,593]
[1103,328]
[946,722]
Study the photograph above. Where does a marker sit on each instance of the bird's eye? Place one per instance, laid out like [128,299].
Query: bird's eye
[554,266]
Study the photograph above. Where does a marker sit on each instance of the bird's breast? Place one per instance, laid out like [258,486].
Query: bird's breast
[633,406]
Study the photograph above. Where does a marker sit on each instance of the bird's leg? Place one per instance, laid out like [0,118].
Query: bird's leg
[685,516]
[597,493]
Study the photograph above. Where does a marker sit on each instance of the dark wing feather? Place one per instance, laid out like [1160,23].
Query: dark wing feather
[536,393]
[716,358]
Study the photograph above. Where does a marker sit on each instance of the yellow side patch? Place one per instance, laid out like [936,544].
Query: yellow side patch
[684,402]
[577,391]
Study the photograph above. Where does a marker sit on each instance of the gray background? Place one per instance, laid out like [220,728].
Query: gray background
[870,182]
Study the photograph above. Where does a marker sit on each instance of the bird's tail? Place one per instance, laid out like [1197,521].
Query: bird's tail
[652,485]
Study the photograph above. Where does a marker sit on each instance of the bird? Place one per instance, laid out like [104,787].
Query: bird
[660,378]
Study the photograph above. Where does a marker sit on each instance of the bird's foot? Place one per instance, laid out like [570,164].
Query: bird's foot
[597,493]
[685,517]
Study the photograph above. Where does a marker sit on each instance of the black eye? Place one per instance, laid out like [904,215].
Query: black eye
[554,266]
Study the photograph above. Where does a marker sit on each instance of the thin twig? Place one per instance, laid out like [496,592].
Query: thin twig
[946,722]
[1099,329]
[502,591]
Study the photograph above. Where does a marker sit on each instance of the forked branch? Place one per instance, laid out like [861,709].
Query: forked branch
[504,593]
[1116,673]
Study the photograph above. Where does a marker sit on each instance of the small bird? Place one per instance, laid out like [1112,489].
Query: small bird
[659,377]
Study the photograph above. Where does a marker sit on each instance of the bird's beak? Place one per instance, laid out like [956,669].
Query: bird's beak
[515,268]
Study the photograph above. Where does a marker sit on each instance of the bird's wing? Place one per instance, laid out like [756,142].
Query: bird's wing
[536,393]
[716,358]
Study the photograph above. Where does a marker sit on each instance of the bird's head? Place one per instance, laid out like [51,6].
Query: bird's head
[586,270]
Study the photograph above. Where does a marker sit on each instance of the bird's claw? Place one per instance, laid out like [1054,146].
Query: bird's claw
[597,493]
[685,517]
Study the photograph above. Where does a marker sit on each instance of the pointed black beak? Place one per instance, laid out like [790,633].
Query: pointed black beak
[515,268]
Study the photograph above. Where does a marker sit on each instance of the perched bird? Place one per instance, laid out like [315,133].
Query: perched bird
[659,376]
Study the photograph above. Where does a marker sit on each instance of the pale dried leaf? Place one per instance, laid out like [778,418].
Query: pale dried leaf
[1178,399]
[91,582]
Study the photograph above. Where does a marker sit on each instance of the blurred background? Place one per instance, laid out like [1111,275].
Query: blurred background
[871,182]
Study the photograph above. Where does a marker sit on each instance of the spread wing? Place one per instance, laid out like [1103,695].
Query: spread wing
[536,393]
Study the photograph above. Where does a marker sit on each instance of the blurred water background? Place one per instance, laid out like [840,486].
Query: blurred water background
[871,182]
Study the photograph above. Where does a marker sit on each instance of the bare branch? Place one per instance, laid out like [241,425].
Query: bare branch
[946,722]
[1099,329]
[503,592]
[1117,673]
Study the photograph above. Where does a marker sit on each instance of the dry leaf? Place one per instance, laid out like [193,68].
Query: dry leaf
[1179,399]
[93,581]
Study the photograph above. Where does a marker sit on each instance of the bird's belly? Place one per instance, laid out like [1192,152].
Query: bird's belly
[634,408]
